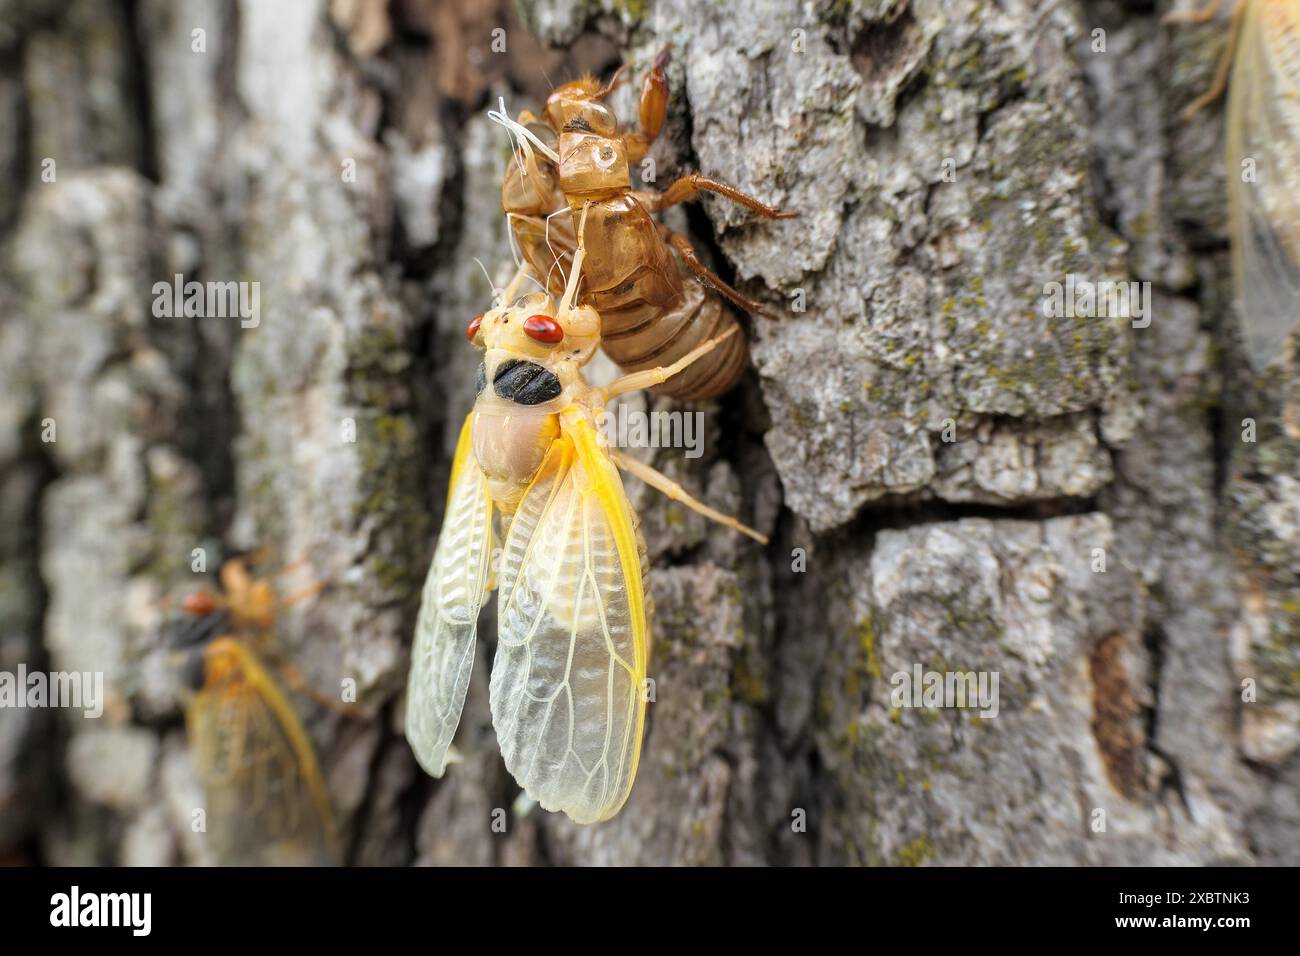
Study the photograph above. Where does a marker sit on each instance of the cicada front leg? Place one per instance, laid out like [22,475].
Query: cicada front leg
[654,108]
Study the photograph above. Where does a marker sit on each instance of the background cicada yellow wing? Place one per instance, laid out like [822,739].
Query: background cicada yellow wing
[266,802]
[573,639]
[443,655]
[1264,135]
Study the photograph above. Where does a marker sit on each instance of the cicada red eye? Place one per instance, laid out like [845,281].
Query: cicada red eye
[543,328]
[199,604]
[472,330]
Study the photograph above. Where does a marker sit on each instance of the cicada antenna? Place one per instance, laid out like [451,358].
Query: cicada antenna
[496,293]
[575,274]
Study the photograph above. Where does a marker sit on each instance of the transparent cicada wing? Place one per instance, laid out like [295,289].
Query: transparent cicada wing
[1263,175]
[443,655]
[266,801]
[567,688]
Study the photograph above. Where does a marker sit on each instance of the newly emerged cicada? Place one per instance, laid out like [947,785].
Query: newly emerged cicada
[265,799]
[532,471]
[1263,140]
[576,157]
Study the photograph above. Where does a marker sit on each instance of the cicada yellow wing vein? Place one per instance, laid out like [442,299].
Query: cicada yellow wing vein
[443,655]
[572,648]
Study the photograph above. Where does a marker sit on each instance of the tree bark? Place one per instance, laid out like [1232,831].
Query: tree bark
[954,481]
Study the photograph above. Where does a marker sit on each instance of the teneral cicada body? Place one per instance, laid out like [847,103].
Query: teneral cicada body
[577,158]
[533,477]
[1263,139]
[265,798]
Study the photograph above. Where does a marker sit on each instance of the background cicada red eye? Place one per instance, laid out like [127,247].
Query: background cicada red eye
[199,604]
[472,329]
[543,328]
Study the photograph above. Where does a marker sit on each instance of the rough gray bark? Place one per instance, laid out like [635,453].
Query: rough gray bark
[909,302]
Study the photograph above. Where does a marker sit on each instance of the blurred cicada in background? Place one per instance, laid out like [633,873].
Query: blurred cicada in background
[266,800]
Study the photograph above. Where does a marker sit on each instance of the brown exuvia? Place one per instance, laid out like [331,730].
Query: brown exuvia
[651,314]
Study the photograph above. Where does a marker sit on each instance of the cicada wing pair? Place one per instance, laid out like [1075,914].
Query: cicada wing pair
[1264,127]
[266,801]
[567,684]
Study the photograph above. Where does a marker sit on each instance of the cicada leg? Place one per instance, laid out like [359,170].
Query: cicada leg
[654,107]
[661,482]
[1203,15]
[263,637]
[1224,68]
[310,590]
[708,276]
[297,682]
[289,568]
[612,85]
[650,377]
[687,187]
